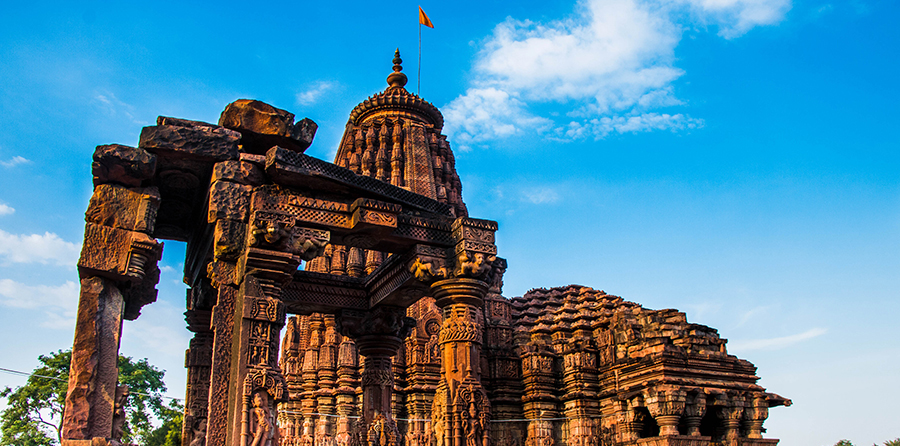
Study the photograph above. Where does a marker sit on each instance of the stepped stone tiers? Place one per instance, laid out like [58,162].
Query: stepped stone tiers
[357,304]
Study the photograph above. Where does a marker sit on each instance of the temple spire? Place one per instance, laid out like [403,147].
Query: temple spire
[397,78]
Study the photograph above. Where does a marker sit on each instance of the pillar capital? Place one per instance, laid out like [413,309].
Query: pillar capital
[459,291]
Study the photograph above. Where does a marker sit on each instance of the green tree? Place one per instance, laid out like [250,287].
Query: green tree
[33,416]
[843,443]
[894,442]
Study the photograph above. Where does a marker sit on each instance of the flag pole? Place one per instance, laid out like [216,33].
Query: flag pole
[419,75]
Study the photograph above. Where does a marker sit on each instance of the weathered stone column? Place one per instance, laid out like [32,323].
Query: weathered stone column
[755,415]
[94,372]
[461,411]
[731,422]
[667,409]
[118,275]
[461,403]
[198,359]
[693,413]
[378,334]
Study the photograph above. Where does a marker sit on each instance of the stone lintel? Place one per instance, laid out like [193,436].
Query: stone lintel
[361,223]
[210,144]
[312,292]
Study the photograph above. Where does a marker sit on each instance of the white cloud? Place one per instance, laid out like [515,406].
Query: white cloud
[315,92]
[612,59]
[6,209]
[542,195]
[775,343]
[48,248]
[14,161]
[59,303]
[113,106]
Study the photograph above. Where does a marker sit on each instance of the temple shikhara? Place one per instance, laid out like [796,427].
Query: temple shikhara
[358,303]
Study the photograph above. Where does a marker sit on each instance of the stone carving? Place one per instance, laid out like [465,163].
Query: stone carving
[262,427]
[199,432]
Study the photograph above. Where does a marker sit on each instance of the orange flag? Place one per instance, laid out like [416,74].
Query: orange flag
[424,20]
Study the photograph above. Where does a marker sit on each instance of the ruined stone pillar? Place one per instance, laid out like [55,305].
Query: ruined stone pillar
[118,276]
[461,410]
[220,375]
[198,359]
[378,334]
[94,372]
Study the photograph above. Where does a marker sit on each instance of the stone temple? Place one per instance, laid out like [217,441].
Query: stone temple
[357,303]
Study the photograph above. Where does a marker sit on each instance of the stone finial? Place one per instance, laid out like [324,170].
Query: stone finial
[397,78]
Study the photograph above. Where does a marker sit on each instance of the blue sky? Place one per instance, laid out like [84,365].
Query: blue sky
[734,159]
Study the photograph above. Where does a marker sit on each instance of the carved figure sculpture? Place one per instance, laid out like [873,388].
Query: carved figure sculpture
[263,427]
[199,433]
[473,427]
[437,425]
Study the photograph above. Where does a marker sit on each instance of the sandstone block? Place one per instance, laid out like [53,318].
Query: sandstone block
[264,126]
[228,200]
[239,172]
[167,120]
[119,207]
[230,238]
[116,253]
[204,143]
[128,166]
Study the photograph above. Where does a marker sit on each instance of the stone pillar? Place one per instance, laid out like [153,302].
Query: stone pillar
[540,385]
[755,415]
[198,360]
[118,276]
[666,409]
[94,372]
[220,374]
[347,381]
[461,410]
[378,334]
[693,413]
[731,423]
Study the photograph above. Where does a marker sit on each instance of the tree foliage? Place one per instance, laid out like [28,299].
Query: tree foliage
[33,416]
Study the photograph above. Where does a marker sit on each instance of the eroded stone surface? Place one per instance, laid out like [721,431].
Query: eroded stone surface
[119,207]
[94,372]
[208,143]
[264,126]
[128,166]
[228,200]
[239,172]
[109,252]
